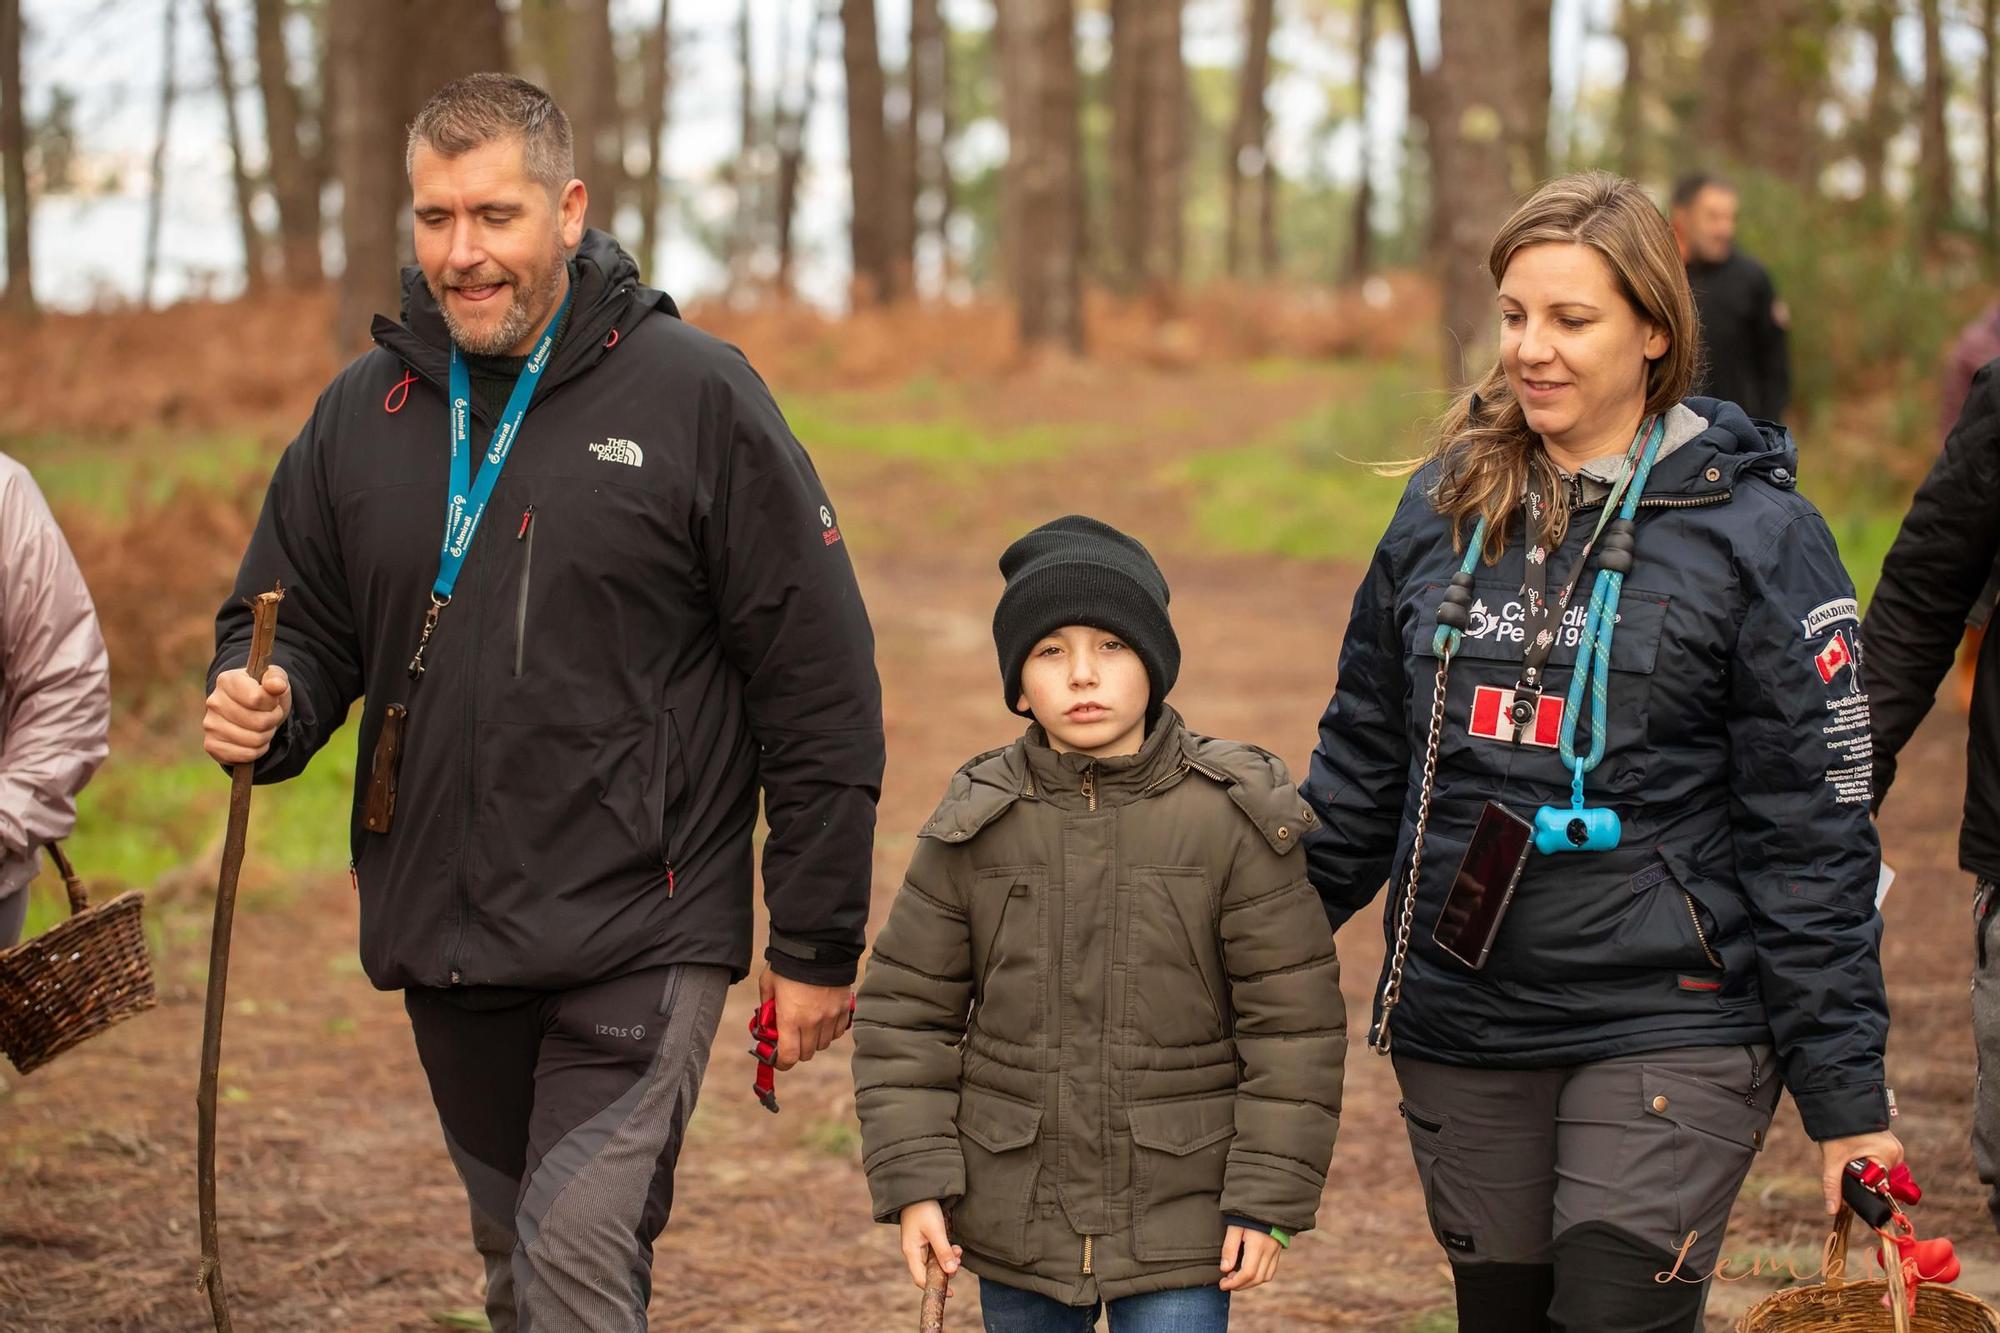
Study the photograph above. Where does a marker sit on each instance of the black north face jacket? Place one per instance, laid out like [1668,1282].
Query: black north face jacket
[1948,544]
[657,618]
[1739,906]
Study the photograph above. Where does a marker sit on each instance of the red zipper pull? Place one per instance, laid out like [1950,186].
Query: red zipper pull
[527,517]
[670,879]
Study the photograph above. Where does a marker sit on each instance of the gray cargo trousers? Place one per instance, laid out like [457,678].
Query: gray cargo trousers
[564,1114]
[1587,1198]
[1986,1043]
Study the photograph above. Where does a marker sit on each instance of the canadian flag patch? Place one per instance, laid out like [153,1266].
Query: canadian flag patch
[1834,658]
[1492,710]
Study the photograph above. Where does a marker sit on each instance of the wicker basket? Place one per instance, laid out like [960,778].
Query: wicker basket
[77,978]
[1840,1306]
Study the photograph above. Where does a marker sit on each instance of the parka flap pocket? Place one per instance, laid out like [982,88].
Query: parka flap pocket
[1708,1108]
[995,1124]
[1179,1128]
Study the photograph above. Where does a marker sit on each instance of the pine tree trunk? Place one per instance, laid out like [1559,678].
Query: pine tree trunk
[292,180]
[870,172]
[1164,150]
[225,83]
[19,298]
[788,128]
[1630,119]
[1247,147]
[1885,101]
[1934,150]
[387,57]
[1126,153]
[1043,191]
[1530,132]
[1474,98]
[1989,101]
[1765,76]
[742,233]
[657,89]
[156,197]
[1361,231]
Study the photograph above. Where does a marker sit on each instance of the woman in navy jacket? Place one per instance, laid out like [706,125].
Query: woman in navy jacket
[1585,1099]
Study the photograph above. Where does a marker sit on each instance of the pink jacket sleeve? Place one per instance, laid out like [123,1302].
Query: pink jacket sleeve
[55,679]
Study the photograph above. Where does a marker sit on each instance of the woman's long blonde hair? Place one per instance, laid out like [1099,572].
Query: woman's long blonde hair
[1483,442]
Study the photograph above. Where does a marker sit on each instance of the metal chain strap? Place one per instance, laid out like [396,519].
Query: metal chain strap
[1392,988]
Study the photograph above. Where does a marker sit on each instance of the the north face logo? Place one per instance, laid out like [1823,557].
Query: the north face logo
[615,450]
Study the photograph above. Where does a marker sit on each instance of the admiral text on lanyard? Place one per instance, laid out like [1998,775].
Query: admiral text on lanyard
[466,503]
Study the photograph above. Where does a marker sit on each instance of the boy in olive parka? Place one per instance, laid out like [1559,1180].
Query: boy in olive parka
[1102,1030]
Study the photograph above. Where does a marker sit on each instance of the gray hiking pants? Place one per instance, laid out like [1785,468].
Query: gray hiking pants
[564,1114]
[1561,1196]
[1986,1043]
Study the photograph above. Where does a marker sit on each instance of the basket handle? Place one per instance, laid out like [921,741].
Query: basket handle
[1892,1264]
[78,897]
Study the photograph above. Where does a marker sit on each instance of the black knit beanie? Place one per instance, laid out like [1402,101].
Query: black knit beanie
[1078,571]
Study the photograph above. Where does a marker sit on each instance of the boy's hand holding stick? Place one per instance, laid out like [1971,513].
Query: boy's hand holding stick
[932,1258]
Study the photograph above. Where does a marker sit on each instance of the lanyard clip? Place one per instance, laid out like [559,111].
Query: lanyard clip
[438,604]
[1527,705]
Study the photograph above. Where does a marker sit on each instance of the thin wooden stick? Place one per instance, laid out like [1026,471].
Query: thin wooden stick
[264,629]
[935,1289]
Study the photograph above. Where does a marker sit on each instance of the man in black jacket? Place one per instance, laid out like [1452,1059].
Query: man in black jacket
[1743,322]
[595,600]
[1947,547]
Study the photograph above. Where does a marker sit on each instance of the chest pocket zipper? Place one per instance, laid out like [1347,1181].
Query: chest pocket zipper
[525,539]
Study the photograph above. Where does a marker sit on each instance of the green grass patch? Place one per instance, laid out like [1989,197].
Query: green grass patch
[847,424]
[1312,489]
[106,479]
[833,1136]
[1864,537]
[142,816]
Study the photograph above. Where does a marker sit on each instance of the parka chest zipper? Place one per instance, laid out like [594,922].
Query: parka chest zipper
[1090,787]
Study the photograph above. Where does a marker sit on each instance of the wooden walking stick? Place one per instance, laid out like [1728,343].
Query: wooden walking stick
[932,1320]
[264,629]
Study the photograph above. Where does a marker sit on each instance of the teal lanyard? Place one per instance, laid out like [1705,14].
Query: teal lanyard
[466,502]
[1593,650]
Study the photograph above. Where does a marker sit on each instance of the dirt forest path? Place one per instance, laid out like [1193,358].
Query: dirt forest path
[339,1206]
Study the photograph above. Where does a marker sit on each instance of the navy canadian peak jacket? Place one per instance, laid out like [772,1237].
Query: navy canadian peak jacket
[1740,905]
[656,621]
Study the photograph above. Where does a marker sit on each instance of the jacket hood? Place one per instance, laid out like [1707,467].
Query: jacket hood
[1732,448]
[1257,781]
[609,298]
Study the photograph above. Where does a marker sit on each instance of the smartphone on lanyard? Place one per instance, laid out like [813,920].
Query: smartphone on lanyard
[1484,885]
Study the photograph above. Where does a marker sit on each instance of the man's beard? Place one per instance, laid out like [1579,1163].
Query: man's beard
[528,304]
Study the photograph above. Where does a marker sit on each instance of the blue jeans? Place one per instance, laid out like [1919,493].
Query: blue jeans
[1182,1310]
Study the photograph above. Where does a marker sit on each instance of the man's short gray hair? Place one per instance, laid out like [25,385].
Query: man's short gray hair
[480,108]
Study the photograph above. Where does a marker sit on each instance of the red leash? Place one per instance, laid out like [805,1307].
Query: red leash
[764,1049]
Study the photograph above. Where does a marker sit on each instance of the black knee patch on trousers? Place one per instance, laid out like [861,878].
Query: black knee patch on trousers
[1503,1298]
[1608,1278]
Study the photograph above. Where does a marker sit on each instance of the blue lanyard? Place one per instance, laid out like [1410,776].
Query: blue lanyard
[1593,651]
[466,503]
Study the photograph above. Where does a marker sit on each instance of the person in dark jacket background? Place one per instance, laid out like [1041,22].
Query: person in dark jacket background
[570,707]
[1743,323]
[1657,986]
[1934,574]
[1977,344]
